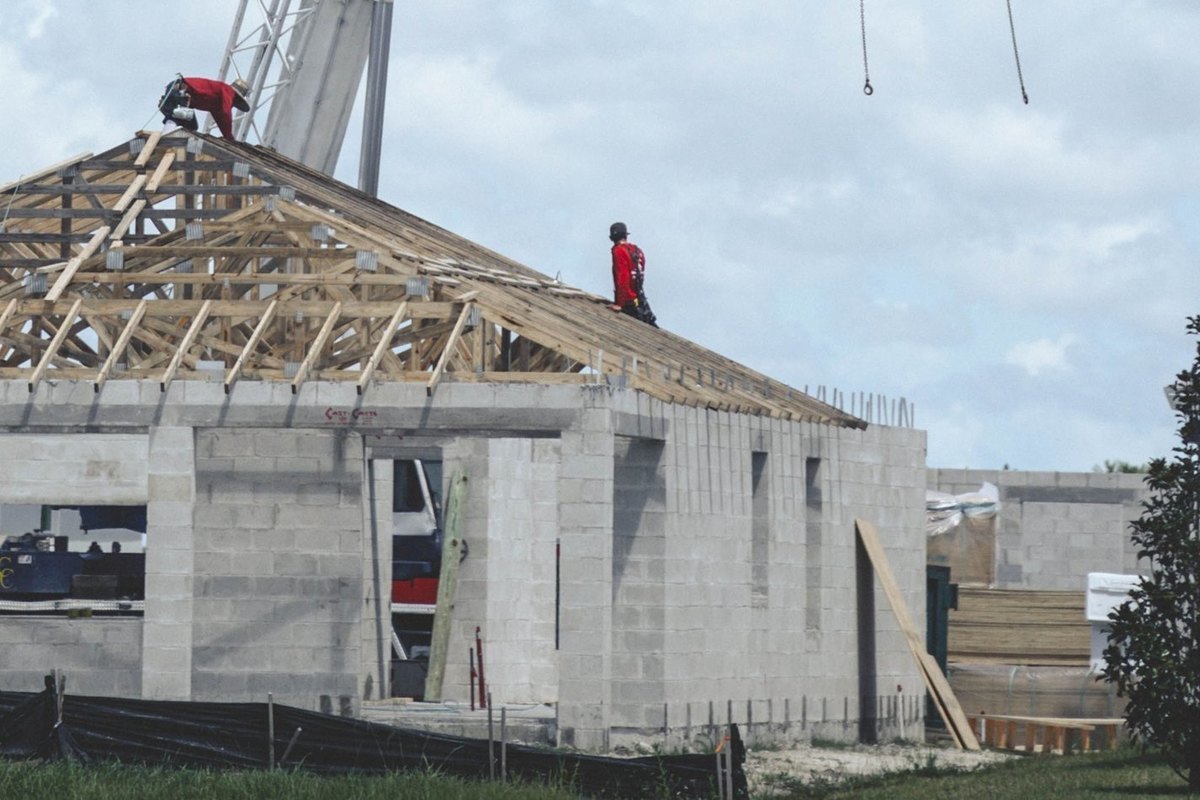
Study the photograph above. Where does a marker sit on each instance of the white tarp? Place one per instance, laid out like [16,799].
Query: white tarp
[943,512]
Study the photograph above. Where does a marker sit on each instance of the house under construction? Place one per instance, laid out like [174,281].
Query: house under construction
[246,349]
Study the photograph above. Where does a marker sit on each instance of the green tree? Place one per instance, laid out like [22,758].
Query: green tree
[1153,653]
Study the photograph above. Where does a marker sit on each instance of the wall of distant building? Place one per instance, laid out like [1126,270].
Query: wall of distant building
[1053,528]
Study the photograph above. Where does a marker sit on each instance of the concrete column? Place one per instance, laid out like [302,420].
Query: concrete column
[167,626]
[585,638]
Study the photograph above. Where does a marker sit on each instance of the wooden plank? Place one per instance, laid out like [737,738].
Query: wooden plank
[385,340]
[935,680]
[448,349]
[148,149]
[317,346]
[45,173]
[7,314]
[73,265]
[130,216]
[160,172]
[255,337]
[134,187]
[122,342]
[55,343]
[235,308]
[150,186]
[189,337]
[443,615]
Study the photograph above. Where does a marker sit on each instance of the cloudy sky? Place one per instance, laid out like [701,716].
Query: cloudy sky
[1022,274]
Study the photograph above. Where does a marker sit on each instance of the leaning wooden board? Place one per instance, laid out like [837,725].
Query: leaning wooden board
[935,681]
[443,614]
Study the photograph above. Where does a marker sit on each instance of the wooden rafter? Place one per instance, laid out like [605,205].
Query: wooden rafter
[252,343]
[122,342]
[55,343]
[287,242]
[451,341]
[385,343]
[317,347]
[188,338]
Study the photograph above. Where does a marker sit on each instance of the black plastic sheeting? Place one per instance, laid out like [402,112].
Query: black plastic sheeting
[234,736]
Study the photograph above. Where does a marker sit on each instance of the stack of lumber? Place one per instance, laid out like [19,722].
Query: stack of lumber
[1018,626]
[1047,734]
[1069,692]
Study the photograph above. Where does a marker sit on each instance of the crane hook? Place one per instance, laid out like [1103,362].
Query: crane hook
[868,90]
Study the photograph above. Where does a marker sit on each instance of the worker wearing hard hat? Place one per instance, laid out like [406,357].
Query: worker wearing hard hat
[185,96]
[629,270]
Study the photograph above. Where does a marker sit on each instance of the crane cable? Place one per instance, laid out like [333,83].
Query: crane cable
[1016,55]
[862,20]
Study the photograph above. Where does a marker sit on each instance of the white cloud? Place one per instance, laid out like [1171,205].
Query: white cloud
[464,103]
[1066,263]
[43,12]
[1041,355]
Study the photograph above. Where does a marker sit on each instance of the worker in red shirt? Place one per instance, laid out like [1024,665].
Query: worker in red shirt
[185,96]
[629,269]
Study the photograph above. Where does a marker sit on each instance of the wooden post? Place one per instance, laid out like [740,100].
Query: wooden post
[447,582]
[270,730]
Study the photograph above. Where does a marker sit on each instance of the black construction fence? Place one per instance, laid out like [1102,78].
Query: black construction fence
[50,725]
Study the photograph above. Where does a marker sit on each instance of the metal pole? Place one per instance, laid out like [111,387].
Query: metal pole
[503,743]
[377,67]
[729,765]
[261,63]
[271,730]
[227,59]
[483,693]
[472,674]
[491,739]
[291,743]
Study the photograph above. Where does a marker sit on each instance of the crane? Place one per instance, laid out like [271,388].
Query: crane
[303,63]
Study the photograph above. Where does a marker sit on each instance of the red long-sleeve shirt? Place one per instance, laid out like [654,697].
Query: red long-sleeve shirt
[214,97]
[622,267]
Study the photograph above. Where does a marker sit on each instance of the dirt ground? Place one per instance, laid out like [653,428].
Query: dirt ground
[775,771]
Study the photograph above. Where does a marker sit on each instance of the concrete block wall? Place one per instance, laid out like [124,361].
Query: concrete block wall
[1055,527]
[65,468]
[170,565]
[101,656]
[731,645]
[585,658]
[282,565]
[638,582]
[878,475]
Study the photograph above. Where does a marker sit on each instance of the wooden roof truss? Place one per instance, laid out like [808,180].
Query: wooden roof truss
[192,258]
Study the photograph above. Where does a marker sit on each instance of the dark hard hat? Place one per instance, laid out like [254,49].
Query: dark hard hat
[240,90]
[617,231]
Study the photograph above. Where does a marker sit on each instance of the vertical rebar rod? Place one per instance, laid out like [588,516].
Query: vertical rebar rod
[491,740]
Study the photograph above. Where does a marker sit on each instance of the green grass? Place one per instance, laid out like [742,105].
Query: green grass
[32,781]
[1095,776]
[1108,776]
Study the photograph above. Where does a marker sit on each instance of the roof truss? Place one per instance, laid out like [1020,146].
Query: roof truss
[190,258]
